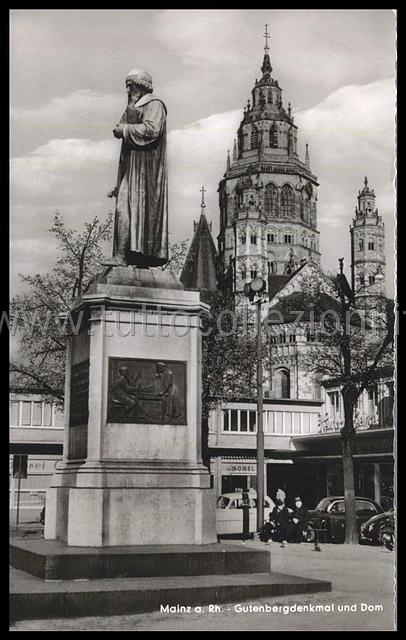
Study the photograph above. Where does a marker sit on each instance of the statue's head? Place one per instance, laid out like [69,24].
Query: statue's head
[138,83]
[160,367]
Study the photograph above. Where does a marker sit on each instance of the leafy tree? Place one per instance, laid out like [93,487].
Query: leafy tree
[229,358]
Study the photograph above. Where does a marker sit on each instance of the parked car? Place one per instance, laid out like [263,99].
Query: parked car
[328,518]
[379,529]
[230,510]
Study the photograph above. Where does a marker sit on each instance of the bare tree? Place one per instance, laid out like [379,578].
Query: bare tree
[35,313]
[354,342]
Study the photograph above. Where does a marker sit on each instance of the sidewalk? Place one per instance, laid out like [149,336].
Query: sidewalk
[361,576]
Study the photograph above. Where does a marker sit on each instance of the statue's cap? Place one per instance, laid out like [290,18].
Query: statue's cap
[138,76]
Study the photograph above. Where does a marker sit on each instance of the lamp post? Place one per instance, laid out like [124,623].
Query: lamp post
[255,291]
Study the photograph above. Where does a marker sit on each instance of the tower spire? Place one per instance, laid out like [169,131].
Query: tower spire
[235,150]
[202,204]
[266,36]
[307,158]
[266,65]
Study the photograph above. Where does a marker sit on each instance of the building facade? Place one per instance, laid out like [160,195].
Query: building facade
[268,196]
[36,429]
[268,229]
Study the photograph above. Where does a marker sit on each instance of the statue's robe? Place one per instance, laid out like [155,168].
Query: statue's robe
[142,186]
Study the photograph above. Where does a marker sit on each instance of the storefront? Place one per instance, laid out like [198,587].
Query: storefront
[232,474]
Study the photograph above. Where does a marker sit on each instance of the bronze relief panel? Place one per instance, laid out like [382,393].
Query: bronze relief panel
[146,391]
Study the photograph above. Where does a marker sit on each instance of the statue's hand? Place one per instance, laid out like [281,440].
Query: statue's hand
[119,131]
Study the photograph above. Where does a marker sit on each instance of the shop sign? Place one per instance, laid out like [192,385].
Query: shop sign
[239,468]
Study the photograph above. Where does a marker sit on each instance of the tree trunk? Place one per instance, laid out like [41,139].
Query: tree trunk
[348,437]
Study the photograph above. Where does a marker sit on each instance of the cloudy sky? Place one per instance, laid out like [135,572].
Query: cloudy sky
[337,68]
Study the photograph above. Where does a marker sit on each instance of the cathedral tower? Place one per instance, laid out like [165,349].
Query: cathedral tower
[367,247]
[268,215]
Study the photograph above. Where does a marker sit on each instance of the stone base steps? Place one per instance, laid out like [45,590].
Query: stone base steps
[54,560]
[33,598]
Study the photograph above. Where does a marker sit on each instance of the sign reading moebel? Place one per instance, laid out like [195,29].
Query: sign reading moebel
[239,468]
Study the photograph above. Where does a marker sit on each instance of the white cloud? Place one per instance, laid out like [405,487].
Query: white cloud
[350,134]
[60,169]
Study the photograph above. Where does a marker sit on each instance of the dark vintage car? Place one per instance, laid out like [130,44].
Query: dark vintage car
[327,520]
[379,529]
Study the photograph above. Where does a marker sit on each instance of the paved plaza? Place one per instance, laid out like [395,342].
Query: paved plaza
[362,598]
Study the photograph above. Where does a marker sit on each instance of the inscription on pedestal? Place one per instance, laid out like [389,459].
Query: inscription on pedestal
[79,394]
[146,391]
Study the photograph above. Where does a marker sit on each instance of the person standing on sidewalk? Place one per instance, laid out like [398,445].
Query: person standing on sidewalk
[279,519]
[299,517]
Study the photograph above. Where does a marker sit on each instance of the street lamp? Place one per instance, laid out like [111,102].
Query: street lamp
[255,291]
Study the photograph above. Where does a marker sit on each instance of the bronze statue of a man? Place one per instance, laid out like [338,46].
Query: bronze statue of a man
[141,218]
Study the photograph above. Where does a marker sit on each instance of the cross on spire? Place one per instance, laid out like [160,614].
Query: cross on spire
[266,36]
[202,191]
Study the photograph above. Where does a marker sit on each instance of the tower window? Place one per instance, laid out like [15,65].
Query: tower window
[271,237]
[243,238]
[287,200]
[273,137]
[304,206]
[254,139]
[253,238]
[362,279]
[292,337]
[253,273]
[243,273]
[271,199]
[288,238]
[361,245]
[270,101]
[371,279]
[371,245]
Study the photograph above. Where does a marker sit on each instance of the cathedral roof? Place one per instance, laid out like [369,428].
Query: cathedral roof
[199,270]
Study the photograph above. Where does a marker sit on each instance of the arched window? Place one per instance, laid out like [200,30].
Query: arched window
[371,279]
[271,199]
[282,383]
[254,138]
[287,199]
[362,279]
[270,101]
[273,266]
[273,137]
[304,206]
[243,238]
[288,238]
[371,245]
[361,245]
[253,238]
[317,388]
[253,273]
[270,237]
[243,274]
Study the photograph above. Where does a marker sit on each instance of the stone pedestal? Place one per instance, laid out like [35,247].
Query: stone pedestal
[132,472]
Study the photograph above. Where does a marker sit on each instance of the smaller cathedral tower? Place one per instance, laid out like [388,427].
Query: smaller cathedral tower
[367,247]
[199,272]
